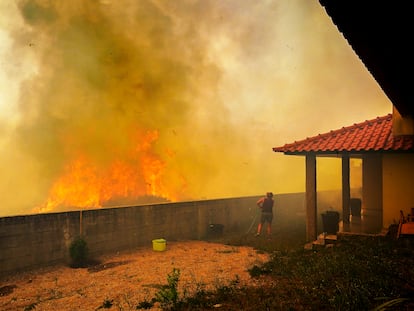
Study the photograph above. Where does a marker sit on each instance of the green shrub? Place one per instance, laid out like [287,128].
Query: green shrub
[78,251]
[167,296]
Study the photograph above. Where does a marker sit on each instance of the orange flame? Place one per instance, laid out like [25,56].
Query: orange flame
[85,184]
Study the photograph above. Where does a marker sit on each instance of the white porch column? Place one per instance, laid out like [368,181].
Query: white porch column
[311,209]
[346,191]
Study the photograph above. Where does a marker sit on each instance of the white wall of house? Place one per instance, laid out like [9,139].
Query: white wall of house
[402,125]
[398,186]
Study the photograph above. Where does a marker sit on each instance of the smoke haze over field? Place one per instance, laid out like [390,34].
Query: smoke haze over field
[175,99]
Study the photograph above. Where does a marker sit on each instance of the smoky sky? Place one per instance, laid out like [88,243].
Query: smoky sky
[221,82]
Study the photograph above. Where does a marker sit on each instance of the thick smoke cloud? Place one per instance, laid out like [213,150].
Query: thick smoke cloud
[221,83]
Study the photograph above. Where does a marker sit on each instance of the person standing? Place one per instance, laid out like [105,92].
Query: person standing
[266,205]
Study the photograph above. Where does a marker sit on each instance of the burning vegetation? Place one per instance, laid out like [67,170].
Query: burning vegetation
[137,177]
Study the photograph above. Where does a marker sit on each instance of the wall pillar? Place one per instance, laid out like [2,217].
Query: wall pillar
[346,190]
[311,218]
[372,193]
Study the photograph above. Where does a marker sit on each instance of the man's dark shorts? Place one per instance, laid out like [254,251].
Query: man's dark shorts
[266,217]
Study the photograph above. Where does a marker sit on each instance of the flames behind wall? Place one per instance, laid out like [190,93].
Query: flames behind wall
[116,99]
[119,102]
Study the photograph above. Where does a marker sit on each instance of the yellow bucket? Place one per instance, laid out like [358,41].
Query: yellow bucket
[159,245]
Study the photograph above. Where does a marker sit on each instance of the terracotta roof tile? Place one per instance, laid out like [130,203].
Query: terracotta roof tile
[371,135]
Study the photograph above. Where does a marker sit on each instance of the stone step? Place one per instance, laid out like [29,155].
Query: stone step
[324,240]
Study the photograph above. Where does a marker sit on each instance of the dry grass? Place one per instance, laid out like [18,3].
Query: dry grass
[238,272]
[124,280]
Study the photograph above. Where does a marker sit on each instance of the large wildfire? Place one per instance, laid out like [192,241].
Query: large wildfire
[109,103]
[135,177]
[109,99]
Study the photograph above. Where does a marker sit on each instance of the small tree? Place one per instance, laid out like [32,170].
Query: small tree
[168,294]
[78,251]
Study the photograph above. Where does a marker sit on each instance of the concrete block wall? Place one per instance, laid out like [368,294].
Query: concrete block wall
[32,241]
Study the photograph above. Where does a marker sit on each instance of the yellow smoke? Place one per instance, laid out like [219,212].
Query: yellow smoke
[222,82]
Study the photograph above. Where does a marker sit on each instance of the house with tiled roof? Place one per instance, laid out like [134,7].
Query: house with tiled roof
[387,170]
[385,145]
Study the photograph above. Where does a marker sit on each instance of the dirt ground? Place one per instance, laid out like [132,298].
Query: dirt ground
[126,279]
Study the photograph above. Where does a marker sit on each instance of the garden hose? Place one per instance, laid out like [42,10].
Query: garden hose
[254,220]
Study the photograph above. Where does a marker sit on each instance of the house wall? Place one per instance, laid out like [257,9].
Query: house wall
[398,181]
[402,125]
